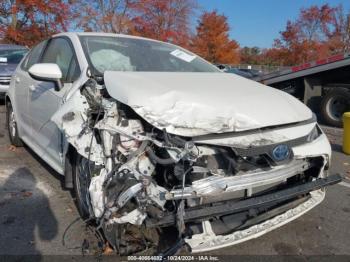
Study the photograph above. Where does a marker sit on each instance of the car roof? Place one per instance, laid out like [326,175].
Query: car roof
[101,34]
[11,47]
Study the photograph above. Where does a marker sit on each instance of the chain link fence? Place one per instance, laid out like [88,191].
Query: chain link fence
[262,69]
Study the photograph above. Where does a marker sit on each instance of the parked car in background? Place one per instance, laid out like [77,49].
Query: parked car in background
[247,73]
[149,136]
[10,56]
[239,72]
[252,72]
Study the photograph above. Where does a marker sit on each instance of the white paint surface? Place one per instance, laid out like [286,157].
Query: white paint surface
[46,71]
[191,104]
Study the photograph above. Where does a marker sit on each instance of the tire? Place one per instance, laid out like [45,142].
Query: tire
[81,182]
[333,105]
[12,126]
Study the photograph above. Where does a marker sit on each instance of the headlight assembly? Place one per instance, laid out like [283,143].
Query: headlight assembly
[315,133]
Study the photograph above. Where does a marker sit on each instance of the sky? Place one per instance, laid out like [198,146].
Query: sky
[258,22]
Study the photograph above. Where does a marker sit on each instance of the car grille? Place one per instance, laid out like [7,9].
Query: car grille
[5,80]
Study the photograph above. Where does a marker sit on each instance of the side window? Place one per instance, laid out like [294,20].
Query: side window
[60,52]
[73,72]
[33,56]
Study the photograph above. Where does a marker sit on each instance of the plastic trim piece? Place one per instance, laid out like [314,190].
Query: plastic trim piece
[229,207]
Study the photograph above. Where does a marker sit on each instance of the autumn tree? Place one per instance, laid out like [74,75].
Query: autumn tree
[164,20]
[27,22]
[158,19]
[113,16]
[250,55]
[339,38]
[212,39]
[318,32]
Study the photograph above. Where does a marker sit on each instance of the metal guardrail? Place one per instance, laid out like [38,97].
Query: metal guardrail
[264,69]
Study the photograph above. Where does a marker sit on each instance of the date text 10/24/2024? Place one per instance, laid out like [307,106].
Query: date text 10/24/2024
[173,258]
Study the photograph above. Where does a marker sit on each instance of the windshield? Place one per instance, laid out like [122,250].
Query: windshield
[130,54]
[12,56]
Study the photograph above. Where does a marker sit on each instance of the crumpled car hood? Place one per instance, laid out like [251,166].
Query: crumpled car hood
[192,104]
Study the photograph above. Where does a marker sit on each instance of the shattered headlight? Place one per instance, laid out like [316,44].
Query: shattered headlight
[314,134]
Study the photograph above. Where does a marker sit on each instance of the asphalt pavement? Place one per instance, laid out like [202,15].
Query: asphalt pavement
[35,212]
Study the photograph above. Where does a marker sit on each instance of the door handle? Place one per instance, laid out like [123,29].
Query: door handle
[32,87]
[17,79]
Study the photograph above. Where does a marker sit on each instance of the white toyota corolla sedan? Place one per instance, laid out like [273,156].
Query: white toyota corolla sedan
[151,138]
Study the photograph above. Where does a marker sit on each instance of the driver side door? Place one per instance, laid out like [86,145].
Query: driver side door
[44,101]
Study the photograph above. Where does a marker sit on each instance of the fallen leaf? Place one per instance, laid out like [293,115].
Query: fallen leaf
[12,148]
[27,194]
[108,250]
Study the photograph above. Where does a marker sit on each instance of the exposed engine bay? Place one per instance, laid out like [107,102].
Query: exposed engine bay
[139,182]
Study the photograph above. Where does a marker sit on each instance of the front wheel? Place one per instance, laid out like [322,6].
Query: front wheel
[334,105]
[12,126]
[81,183]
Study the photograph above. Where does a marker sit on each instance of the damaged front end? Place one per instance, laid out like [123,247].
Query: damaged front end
[141,181]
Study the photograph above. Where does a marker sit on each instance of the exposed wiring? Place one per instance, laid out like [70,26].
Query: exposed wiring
[85,243]
[66,230]
[158,160]
[184,178]
[92,138]
[181,208]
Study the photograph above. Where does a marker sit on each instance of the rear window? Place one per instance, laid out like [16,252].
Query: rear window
[12,56]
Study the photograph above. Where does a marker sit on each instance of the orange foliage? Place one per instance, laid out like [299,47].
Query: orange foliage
[113,16]
[318,32]
[27,22]
[163,20]
[212,40]
[158,19]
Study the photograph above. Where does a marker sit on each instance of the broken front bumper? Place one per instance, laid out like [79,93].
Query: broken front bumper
[208,240]
[313,193]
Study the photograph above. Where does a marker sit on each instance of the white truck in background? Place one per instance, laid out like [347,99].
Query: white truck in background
[323,85]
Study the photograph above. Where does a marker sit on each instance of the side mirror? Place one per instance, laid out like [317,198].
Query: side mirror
[47,72]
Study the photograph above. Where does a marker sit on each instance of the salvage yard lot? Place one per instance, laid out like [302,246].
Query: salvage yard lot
[35,212]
